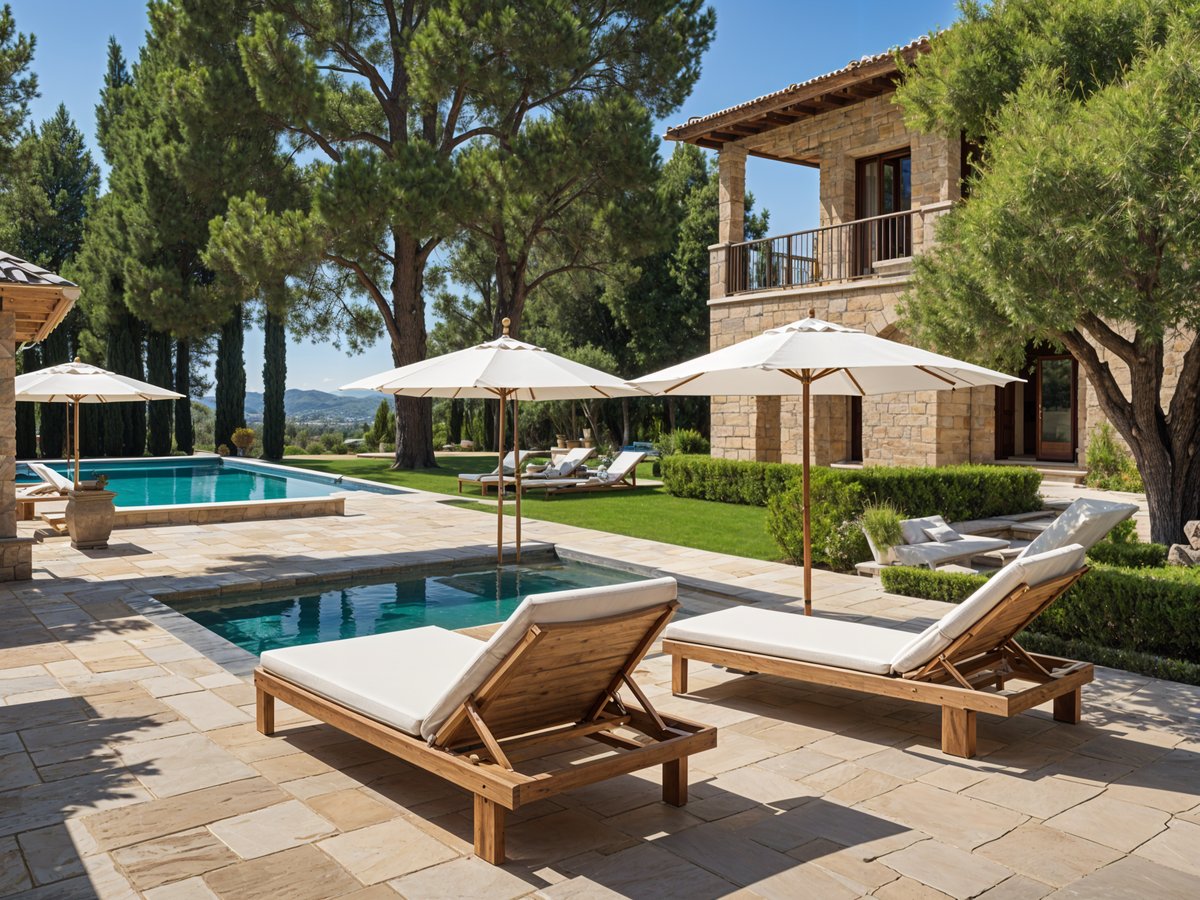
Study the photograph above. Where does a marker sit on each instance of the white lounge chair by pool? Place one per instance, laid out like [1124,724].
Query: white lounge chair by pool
[510,463]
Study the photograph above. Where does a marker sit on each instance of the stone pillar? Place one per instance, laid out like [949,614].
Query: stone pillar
[731,175]
[767,446]
[16,554]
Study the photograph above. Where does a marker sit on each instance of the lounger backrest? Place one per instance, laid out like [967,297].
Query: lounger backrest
[575,457]
[1030,570]
[625,463]
[1084,522]
[587,637]
[47,474]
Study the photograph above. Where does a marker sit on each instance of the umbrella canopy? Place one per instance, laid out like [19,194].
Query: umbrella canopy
[502,369]
[812,356]
[79,382]
[76,382]
[522,371]
[840,360]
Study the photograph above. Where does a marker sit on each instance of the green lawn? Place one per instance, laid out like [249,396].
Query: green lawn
[648,512]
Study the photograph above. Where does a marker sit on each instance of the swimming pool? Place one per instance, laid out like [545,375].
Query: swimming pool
[458,599]
[174,481]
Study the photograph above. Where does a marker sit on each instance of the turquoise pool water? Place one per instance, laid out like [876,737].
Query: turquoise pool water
[175,481]
[266,621]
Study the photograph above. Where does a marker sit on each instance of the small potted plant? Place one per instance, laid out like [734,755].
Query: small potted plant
[90,514]
[881,524]
[243,438]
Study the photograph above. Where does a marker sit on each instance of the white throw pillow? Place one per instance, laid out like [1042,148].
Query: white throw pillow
[943,534]
[914,529]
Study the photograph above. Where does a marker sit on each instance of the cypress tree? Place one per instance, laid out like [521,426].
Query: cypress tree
[26,414]
[185,434]
[456,421]
[231,380]
[160,371]
[124,423]
[274,385]
[52,417]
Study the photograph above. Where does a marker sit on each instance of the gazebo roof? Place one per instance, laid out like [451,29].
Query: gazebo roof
[39,298]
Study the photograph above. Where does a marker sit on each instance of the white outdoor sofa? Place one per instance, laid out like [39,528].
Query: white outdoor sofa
[921,548]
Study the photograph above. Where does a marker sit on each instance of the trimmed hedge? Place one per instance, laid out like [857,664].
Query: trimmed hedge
[1129,556]
[954,492]
[1155,613]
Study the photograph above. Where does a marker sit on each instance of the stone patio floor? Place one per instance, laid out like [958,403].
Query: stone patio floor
[130,765]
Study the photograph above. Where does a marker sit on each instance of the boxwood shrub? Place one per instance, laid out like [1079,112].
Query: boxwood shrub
[1152,612]
[955,492]
[1130,556]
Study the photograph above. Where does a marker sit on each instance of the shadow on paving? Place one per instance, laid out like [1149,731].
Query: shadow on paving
[590,831]
[62,759]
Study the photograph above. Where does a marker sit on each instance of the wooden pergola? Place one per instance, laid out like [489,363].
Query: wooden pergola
[38,299]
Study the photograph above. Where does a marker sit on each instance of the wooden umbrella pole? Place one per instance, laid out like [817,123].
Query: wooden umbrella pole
[500,483]
[76,443]
[517,467]
[807,382]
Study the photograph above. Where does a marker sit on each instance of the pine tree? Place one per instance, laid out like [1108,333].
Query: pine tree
[185,433]
[17,86]
[160,371]
[231,380]
[274,385]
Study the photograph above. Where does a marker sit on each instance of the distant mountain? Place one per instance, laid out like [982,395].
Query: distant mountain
[313,406]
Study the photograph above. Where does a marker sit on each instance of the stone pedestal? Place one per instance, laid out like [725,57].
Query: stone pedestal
[90,518]
[16,559]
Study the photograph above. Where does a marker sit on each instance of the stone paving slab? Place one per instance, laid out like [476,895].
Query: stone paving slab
[130,765]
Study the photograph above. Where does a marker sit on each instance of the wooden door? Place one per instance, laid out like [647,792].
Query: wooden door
[1006,421]
[1056,391]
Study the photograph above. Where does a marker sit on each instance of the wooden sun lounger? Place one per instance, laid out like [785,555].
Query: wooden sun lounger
[557,687]
[969,677]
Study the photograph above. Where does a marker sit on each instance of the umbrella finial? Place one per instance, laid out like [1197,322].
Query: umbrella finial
[78,360]
[812,313]
[506,321]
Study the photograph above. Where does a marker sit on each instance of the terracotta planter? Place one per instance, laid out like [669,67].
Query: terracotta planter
[90,517]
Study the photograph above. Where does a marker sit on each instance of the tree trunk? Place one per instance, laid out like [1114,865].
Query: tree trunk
[454,431]
[231,381]
[670,414]
[274,385]
[160,372]
[414,415]
[185,433]
[625,435]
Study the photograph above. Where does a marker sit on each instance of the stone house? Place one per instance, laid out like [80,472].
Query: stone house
[882,188]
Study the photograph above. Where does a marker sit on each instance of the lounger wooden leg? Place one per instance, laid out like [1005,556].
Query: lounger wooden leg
[675,782]
[264,707]
[958,732]
[679,674]
[489,830]
[1069,707]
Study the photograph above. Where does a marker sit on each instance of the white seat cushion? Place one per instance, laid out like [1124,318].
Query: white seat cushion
[933,552]
[1030,570]
[394,678]
[1084,522]
[827,642]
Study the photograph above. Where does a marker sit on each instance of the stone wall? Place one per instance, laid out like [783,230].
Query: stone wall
[16,554]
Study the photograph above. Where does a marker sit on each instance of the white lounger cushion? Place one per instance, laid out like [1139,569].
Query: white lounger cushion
[394,678]
[48,475]
[510,465]
[578,605]
[1030,570]
[828,642]
[1084,522]
[933,553]
[860,647]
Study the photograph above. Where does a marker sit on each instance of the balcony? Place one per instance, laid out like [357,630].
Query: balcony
[847,251]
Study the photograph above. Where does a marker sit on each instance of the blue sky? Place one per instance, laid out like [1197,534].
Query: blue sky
[761,46]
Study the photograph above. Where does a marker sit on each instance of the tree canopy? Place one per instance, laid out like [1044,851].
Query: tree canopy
[1082,222]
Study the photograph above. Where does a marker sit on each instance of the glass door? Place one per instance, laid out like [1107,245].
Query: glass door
[883,186]
[1056,387]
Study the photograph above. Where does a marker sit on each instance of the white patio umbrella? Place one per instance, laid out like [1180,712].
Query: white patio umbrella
[809,357]
[77,382]
[502,369]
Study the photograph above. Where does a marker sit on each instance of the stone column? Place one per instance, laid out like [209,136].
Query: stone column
[731,179]
[16,554]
